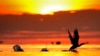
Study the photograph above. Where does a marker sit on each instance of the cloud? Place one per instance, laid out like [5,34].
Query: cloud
[45,34]
[33,34]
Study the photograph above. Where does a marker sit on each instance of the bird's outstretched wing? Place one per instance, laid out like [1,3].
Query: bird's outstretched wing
[76,37]
[70,37]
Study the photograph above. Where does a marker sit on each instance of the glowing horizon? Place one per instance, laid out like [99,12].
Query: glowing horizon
[36,7]
[52,8]
[42,37]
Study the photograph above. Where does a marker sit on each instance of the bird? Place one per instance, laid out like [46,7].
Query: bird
[44,50]
[17,48]
[74,40]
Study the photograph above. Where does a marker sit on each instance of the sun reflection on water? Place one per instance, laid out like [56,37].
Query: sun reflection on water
[34,50]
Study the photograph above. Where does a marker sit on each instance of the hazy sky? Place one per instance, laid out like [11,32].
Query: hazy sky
[11,25]
[38,6]
[27,26]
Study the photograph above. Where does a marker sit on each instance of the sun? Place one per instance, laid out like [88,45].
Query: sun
[51,9]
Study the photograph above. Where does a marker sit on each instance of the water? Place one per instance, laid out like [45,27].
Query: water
[54,50]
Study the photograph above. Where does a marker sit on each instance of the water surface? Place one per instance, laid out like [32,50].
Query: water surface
[54,50]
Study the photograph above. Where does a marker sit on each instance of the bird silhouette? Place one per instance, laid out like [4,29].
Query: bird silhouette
[17,48]
[44,50]
[74,40]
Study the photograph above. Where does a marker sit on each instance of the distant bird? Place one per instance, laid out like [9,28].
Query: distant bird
[44,50]
[74,40]
[58,43]
[17,48]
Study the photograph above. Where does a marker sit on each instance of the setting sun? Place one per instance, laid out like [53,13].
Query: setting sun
[45,6]
[51,9]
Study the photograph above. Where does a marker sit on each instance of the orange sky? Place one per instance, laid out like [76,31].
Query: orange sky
[46,37]
[37,6]
[46,7]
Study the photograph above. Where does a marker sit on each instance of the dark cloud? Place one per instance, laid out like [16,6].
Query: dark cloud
[85,20]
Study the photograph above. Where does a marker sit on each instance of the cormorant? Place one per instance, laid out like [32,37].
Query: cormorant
[17,48]
[74,40]
[44,50]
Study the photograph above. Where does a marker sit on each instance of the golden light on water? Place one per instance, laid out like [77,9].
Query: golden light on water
[31,50]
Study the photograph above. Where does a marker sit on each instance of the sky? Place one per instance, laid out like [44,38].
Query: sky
[45,6]
[15,27]
[30,29]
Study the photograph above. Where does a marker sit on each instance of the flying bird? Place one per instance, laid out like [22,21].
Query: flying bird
[74,40]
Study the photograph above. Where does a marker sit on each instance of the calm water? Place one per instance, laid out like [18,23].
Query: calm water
[54,50]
